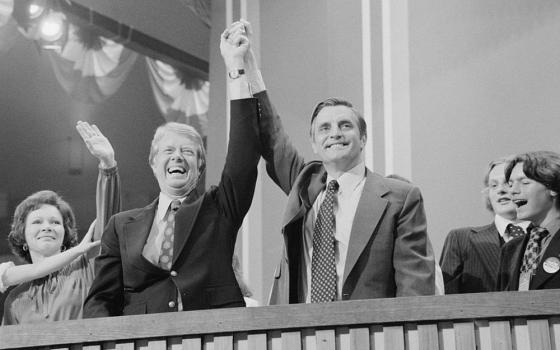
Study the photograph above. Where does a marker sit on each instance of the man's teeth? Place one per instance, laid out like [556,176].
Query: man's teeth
[176,169]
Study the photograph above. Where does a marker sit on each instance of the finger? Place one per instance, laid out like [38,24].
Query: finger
[247,25]
[96,130]
[95,243]
[238,39]
[82,131]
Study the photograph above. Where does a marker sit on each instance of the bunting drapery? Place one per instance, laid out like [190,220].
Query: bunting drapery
[180,97]
[201,8]
[91,74]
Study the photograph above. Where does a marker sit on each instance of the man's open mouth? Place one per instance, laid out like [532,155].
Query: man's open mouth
[520,202]
[176,170]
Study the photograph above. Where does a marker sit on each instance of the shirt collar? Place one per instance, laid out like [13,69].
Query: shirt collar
[350,179]
[163,205]
[501,224]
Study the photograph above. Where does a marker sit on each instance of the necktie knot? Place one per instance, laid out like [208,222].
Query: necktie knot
[514,231]
[175,205]
[332,186]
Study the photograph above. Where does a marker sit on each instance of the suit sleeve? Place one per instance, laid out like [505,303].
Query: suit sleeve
[283,162]
[451,262]
[237,184]
[106,293]
[413,256]
[107,201]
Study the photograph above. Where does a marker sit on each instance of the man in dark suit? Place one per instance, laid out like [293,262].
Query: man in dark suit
[533,261]
[349,233]
[471,255]
[160,259]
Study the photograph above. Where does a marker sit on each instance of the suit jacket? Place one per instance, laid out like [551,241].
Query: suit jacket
[511,261]
[389,253]
[205,230]
[470,259]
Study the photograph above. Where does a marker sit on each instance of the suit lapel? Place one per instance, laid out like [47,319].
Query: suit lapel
[486,242]
[303,198]
[136,232]
[369,212]
[184,221]
[541,276]
[517,248]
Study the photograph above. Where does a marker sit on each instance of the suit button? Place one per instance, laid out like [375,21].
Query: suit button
[173,273]
[171,304]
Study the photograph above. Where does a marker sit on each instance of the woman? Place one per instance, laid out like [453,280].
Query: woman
[43,227]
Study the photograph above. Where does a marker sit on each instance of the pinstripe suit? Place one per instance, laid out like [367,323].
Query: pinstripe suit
[470,259]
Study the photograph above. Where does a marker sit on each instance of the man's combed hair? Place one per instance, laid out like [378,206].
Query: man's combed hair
[333,102]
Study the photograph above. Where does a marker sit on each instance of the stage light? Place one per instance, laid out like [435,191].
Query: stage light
[36,9]
[52,27]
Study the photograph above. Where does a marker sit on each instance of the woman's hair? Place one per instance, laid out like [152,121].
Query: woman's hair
[16,237]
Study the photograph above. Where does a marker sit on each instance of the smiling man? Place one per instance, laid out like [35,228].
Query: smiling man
[176,253]
[349,233]
[471,255]
[533,261]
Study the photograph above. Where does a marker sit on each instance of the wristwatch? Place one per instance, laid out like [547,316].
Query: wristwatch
[236,73]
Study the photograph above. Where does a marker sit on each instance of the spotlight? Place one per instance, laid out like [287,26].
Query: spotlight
[36,8]
[52,26]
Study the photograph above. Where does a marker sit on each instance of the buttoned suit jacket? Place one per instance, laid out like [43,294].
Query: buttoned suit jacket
[512,259]
[206,226]
[389,253]
[470,259]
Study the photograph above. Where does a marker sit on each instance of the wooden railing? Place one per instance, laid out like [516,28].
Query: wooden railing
[512,320]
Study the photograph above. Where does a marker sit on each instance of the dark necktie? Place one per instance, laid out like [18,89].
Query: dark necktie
[514,231]
[323,268]
[166,256]
[533,249]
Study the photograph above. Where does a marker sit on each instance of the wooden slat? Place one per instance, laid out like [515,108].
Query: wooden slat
[446,335]
[464,336]
[539,334]
[256,341]
[291,340]
[520,334]
[157,344]
[555,332]
[223,342]
[428,337]
[192,343]
[274,340]
[125,345]
[175,343]
[325,339]
[91,347]
[376,337]
[394,337]
[482,335]
[500,333]
[359,338]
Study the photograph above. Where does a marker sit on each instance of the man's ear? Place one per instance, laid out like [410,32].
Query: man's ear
[363,140]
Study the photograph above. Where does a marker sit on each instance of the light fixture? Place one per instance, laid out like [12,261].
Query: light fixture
[52,26]
[36,8]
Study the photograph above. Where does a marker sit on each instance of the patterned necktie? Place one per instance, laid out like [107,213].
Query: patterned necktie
[166,257]
[323,269]
[533,249]
[514,231]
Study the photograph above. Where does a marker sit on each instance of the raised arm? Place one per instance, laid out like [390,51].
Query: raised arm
[283,162]
[11,274]
[108,196]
